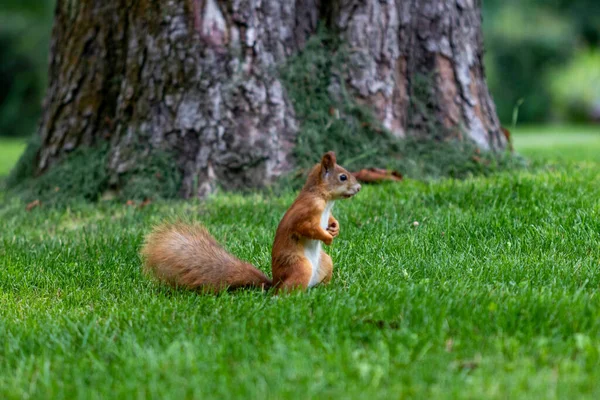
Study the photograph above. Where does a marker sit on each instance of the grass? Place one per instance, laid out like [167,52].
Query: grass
[493,295]
[559,143]
[10,150]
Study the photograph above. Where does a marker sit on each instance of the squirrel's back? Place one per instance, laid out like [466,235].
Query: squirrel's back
[188,256]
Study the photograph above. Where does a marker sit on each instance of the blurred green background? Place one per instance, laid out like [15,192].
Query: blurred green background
[541,53]
[545,52]
[25,27]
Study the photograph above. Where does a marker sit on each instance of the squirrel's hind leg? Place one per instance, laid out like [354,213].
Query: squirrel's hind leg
[296,277]
[325,268]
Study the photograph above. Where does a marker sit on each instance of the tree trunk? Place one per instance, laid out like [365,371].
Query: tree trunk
[194,77]
[198,78]
[419,65]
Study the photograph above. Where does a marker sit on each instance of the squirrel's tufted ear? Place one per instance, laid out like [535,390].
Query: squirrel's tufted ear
[328,161]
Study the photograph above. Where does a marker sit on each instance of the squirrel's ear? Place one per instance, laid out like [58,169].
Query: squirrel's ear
[328,161]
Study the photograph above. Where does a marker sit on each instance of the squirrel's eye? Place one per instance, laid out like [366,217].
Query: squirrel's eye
[343,177]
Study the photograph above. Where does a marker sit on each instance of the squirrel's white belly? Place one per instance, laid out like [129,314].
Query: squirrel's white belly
[312,248]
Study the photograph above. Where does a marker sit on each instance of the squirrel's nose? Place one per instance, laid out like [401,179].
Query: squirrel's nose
[358,187]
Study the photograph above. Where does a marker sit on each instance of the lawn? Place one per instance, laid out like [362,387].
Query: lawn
[10,150]
[493,295]
[559,143]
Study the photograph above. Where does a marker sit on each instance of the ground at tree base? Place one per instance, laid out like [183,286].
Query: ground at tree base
[492,295]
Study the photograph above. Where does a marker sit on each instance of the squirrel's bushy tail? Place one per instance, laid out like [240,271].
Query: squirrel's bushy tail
[188,256]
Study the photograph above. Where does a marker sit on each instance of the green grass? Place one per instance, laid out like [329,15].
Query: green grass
[559,143]
[10,150]
[493,295]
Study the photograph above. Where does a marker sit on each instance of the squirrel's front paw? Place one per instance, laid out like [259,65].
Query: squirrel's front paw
[333,229]
[328,240]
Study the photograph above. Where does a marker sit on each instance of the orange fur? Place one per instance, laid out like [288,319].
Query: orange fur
[187,256]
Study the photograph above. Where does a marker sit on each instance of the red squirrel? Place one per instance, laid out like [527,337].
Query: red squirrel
[188,256]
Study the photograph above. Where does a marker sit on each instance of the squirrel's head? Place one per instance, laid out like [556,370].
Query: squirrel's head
[335,180]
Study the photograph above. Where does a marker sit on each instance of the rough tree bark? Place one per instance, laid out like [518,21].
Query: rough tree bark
[419,65]
[199,78]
